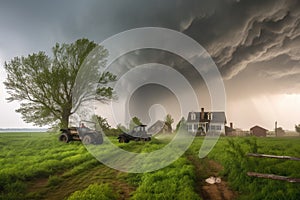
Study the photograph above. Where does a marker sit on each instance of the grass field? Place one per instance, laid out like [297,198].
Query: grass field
[37,166]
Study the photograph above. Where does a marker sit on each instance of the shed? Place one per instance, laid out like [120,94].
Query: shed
[158,127]
[258,131]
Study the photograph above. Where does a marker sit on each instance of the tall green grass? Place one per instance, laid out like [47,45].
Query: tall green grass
[95,192]
[231,153]
[28,156]
[176,181]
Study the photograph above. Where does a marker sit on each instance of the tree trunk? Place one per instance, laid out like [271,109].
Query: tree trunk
[64,122]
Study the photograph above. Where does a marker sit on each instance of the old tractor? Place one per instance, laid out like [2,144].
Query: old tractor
[82,133]
[138,133]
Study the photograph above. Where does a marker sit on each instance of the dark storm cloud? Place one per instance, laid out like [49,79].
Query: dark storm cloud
[31,26]
[106,17]
[36,25]
[255,43]
[245,32]
[274,67]
[248,39]
[235,33]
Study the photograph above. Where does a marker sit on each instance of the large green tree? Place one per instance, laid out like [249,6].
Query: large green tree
[44,85]
[102,122]
[182,124]
[135,121]
[168,122]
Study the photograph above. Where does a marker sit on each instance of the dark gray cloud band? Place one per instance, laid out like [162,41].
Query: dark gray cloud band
[262,36]
[246,32]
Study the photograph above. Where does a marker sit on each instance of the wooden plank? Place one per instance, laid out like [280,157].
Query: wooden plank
[274,177]
[273,156]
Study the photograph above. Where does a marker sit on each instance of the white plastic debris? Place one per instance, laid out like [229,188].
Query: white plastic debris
[210,180]
[213,180]
[218,180]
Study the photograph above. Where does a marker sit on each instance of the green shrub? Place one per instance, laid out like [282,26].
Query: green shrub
[12,190]
[33,196]
[95,192]
[11,196]
[54,180]
[15,187]
[173,182]
[134,179]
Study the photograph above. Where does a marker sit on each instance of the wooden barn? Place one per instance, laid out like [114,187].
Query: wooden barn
[258,131]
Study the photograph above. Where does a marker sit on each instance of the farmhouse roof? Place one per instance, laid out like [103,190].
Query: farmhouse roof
[158,123]
[157,127]
[228,129]
[258,127]
[217,117]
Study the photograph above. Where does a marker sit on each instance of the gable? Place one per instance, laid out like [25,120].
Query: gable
[214,117]
[258,128]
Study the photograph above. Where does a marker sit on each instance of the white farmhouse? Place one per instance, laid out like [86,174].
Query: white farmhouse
[204,122]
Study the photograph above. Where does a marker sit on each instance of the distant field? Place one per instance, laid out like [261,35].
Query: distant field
[287,133]
[37,166]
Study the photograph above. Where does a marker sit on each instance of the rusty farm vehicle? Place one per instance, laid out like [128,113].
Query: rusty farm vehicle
[138,133]
[82,133]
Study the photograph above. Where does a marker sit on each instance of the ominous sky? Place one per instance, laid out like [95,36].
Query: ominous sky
[254,43]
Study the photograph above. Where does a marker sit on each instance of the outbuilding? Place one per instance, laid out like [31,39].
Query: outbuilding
[258,131]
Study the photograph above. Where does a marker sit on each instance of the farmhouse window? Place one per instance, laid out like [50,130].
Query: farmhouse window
[193,116]
[195,126]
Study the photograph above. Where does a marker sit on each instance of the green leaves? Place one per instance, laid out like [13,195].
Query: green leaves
[169,121]
[181,124]
[135,121]
[95,191]
[102,122]
[45,84]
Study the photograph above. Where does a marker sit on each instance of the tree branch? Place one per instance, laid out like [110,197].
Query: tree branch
[273,156]
[274,177]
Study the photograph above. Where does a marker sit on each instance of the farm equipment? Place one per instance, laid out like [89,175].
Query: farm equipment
[81,133]
[138,133]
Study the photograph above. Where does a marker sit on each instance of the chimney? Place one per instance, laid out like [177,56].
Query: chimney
[276,128]
[202,114]
[231,125]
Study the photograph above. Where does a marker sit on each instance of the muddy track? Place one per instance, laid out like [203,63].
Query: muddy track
[99,174]
[204,169]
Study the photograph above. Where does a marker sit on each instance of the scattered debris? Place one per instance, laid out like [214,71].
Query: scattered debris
[213,180]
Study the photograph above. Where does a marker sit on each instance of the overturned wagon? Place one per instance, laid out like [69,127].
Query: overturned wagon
[138,133]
